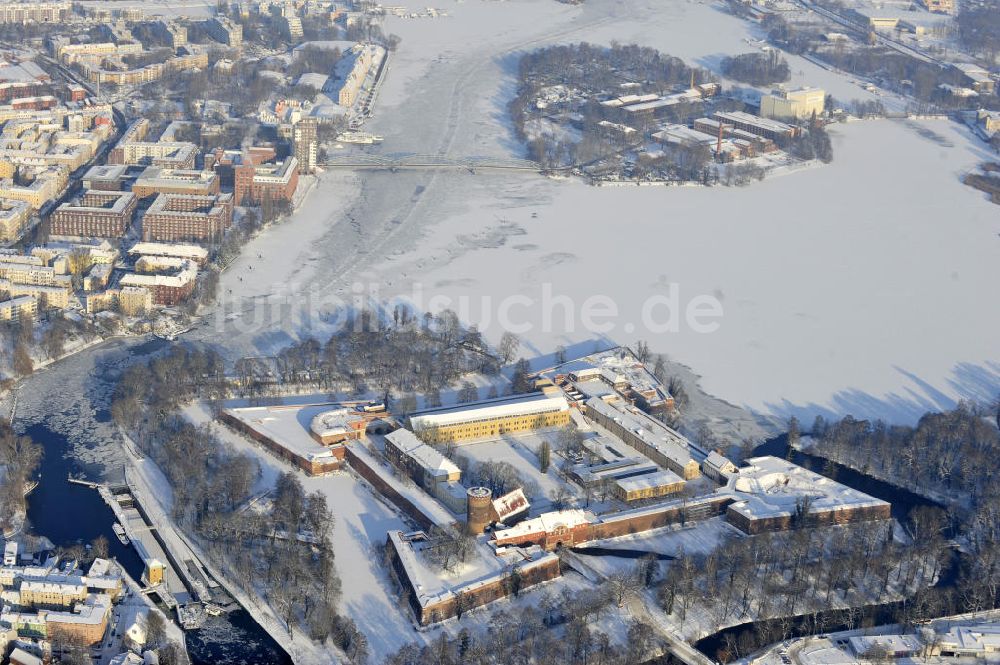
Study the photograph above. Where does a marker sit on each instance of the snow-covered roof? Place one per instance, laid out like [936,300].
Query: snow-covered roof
[518,405]
[977,638]
[511,504]
[654,434]
[773,487]
[426,456]
[334,422]
[717,461]
[545,523]
[649,481]
[287,426]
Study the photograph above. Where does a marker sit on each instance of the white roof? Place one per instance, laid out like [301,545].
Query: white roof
[649,481]
[717,461]
[488,409]
[334,422]
[511,503]
[658,436]
[169,249]
[426,456]
[770,487]
[25,658]
[545,523]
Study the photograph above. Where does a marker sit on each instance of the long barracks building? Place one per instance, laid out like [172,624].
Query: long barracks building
[491,418]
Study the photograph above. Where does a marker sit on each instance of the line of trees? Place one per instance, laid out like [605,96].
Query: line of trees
[282,551]
[757,68]
[526,636]
[19,460]
[806,570]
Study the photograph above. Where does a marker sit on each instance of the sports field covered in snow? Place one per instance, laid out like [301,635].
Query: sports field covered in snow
[858,287]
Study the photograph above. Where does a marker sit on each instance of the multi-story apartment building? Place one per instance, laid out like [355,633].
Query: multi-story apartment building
[46,184]
[18,308]
[304,138]
[176,155]
[364,56]
[165,289]
[172,33]
[273,182]
[14,219]
[135,300]
[186,218]
[221,29]
[34,11]
[97,213]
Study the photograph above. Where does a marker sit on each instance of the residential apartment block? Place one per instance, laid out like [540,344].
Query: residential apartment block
[187,218]
[97,214]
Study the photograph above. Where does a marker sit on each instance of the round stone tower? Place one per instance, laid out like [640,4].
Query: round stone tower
[479,509]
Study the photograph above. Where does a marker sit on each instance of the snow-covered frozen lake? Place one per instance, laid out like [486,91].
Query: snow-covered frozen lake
[860,287]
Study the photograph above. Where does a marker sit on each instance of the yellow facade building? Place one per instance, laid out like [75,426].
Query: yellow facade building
[648,486]
[799,104]
[491,418]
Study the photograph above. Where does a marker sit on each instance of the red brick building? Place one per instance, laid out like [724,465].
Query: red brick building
[252,176]
[98,214]
[167,289]
[183,218]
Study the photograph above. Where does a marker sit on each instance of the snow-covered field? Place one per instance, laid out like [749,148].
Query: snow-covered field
[853,288]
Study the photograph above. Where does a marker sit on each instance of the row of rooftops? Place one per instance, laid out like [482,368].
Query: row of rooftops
[665,440]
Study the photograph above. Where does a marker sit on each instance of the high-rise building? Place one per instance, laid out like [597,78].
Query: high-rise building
[304,138]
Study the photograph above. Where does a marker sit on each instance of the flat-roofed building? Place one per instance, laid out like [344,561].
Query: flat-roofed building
[134,300]
[35,11]
[275,182]
[980,641]
[798,104]
[18,308]
[170,154]
[771,129]
[99,214]
[337,425]
[154,181]
[225,31]
[195,253]
[14,219]
[184,218]
[46,296]
[166,289]
[661,444]
[174,34]
[491,418]
[940,6]
[648,486]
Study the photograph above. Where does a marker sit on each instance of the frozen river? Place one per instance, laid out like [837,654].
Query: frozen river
[859,287]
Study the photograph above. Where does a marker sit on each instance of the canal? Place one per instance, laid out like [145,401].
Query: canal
[69,514]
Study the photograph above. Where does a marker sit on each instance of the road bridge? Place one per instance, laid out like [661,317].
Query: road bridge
[417,161]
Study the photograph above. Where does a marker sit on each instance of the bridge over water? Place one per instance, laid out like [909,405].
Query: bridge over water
[412,160]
